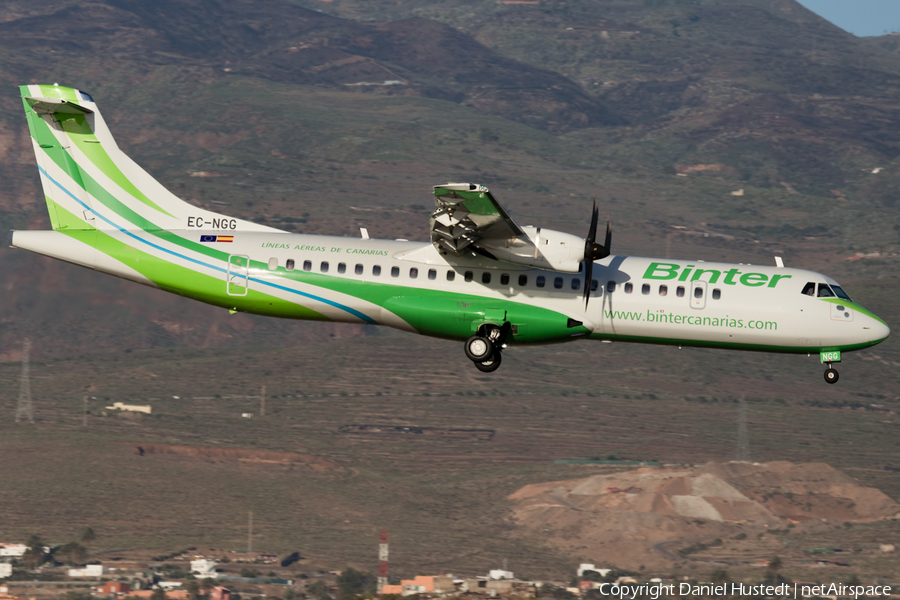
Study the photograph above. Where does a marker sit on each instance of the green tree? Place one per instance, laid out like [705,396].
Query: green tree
[773,576]
[35,555]
[158,594]
[87,535]
[720,576]
[72,553]
[355,584]
[193,590]
[318,589]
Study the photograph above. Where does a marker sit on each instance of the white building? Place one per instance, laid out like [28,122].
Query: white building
[500,574]
[169,585]
[589,567]
[204,569]
[130,407]
[14,550]
[5,570]
[88,571]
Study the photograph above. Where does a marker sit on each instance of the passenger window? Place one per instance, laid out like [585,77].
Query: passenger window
[594,285]
[679,291]
[610,286]
[307,265]
[523,280]
[451,275]
[663,290]
[395,271]
[576,283]
[717,293]
[539,281]
[342,268]
[468,276]
[698,292]
[809,289]
[485,277]
[289,265]
[504,279]
[413,273]
[645,289]
[273,264]
[323,267]
[557,283]
[359,269]
[376,270]
[629,288]
[825,291]
[432,274]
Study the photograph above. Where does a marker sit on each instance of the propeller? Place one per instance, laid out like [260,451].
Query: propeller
[594,251]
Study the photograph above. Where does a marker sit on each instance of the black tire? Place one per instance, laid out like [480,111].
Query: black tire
[490,365]
[478,349]
[831,376]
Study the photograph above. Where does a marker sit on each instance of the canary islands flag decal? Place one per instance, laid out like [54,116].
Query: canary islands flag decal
[216,238]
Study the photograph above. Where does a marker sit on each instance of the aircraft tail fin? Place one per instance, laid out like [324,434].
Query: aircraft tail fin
[89,183]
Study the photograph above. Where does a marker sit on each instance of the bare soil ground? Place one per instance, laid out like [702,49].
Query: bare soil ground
[638,517]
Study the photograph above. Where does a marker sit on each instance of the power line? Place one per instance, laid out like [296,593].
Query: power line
[23,407]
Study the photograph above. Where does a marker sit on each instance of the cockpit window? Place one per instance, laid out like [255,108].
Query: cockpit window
[825,291]
[841,293]
[809,289]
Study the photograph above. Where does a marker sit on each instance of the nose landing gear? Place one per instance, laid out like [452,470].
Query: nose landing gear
[831,374]
[485,346]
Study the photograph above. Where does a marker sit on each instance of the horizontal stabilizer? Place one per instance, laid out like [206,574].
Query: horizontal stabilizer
[56,106]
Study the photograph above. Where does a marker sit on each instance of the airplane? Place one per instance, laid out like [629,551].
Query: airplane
[482,279]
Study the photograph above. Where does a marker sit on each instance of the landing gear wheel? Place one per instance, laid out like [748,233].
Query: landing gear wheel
[478,349]
[831,376]
[490,365]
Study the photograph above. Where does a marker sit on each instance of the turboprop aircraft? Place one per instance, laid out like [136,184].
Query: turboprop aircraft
[482,279]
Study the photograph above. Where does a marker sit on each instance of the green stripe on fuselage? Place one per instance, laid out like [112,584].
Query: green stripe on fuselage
[729,345]
[184,280]
[854,306]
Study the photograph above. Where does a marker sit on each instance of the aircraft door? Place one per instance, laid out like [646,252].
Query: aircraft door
[698,294]
[237,278]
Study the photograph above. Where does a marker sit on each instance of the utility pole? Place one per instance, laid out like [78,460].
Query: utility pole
[743,444]
[250,534]
[383,560]
[262,401]
[23,407]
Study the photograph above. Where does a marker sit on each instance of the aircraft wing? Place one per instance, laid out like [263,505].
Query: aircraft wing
[469,219]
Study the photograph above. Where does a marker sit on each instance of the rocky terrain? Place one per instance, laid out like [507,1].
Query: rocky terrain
[633,518]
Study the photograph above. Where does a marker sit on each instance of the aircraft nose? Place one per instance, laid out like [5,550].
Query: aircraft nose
[878,330]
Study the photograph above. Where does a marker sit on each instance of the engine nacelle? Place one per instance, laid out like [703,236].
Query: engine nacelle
[543,249]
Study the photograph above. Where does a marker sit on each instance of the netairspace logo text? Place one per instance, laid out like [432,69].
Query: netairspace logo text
[785,590]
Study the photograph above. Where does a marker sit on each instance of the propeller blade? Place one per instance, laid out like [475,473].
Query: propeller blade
[608,244]
[588,273]
[590,249]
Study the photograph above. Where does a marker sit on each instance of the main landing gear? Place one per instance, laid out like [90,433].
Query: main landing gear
[485,346]
[831,374]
